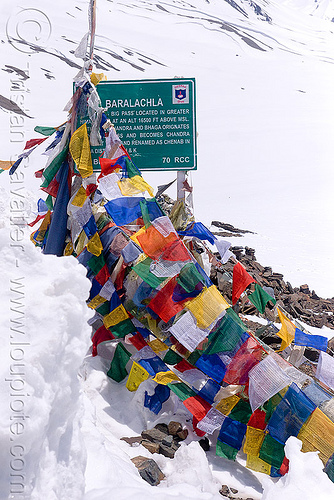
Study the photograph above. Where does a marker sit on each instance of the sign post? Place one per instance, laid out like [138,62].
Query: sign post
[155,120]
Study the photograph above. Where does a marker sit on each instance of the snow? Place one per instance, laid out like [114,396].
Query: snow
[265,123]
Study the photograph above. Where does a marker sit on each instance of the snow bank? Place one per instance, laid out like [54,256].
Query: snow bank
[44,336]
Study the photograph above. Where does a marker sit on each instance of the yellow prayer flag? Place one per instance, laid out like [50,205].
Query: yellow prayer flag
[165,378]
[317,434]
[253,441]
[207,306]
[81,242]
[258,465]
[127,188]
[116,316]
[96,302]
[96,78]
[287,331]
[137,375]
[44,226]
[138,233]
[142,186]
[80,151]
[226,405]
[157,346]
[94,245]
[69,249]
[80,197]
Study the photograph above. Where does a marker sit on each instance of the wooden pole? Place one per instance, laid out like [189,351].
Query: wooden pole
[181,177]
[92,27]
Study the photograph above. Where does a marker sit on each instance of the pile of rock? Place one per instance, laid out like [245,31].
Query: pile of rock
[301,303]
[163,438]
[231,493]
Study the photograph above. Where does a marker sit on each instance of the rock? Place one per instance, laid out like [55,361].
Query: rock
[304,289]
[182,435]
[168,440]
[205,443]
[148,469]
[162,427]
[224,490]
[153,435]
[132,440]
[174,427]
[151,446]
[233,490]
[168,451]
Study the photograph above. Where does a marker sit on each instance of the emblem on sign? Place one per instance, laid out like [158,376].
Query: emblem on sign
[180,94]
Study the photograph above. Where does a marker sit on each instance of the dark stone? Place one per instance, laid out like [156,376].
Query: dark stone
[182,435]
[151,446]
[174,428]
[162,427]
[168,451]
[233,490]
[304,289]
[149,470]
[168,440]
[205,443]
[153,435]
[224,490]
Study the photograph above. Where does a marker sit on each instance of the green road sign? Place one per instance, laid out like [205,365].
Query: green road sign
[155,120]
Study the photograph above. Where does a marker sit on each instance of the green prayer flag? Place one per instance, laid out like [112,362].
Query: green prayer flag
[181,390]
[189,277]
[49,202]
[143,270]
[117,369]
[51,171]
[241,412]
[260,298]
[145,214]
[172,358]
[225,337]
[123,328]
[272,451]
[226,451]
[131,168]
[96,263]
[236,318]
[103,309]
[45,130]
[194,356]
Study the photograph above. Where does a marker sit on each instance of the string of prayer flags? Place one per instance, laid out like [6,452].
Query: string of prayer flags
[314,341]
[287,331]
[325,369]
[260,298]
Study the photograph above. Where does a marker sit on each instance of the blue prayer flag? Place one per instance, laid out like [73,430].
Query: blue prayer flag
[315,341]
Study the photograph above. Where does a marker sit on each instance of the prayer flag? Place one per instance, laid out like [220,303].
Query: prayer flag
[325,369]
[260,298]
[241,280]
[117,369]
[80,151]
[287,331]
[315,341]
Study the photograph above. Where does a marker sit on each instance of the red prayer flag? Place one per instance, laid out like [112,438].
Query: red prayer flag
[183,366]
[197,406]
[163,303]
[101,335]
[138,341]
[103,275]
[34,142]
[258,419]
[241,280]
[246,357]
